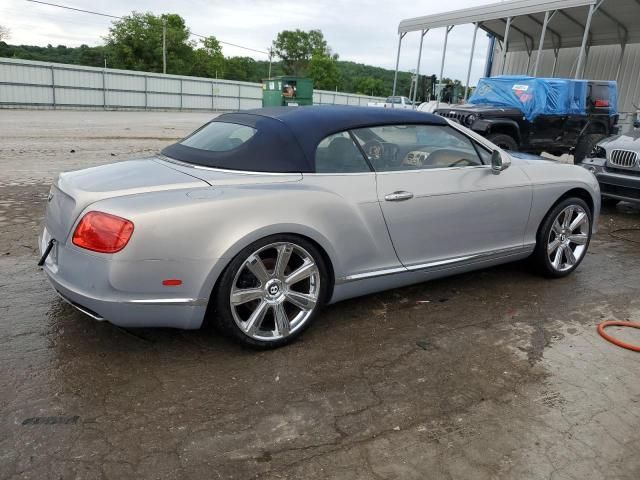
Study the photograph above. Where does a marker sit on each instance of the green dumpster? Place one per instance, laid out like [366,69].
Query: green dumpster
[287,91]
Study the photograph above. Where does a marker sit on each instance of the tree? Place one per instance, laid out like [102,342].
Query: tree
[296,48]
[324,71]
[370,86]
[135,43]
[208,60]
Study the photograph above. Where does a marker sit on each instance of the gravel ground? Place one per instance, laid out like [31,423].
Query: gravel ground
[497,374]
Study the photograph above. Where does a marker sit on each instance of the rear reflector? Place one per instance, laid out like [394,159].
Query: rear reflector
[602,103]
[172,282]
[102,232]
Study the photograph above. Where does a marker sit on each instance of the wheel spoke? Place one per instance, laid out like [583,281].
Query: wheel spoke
[568,215]
[240,296]
[255,320]
[305,271]
[557,228]
[581,219]
[579,238]
[553,246]
[256,266]
[281,320]
[557,260]
[304,301]
[571,258]
[284,254]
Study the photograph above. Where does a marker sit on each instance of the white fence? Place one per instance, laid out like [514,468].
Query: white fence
[29,84]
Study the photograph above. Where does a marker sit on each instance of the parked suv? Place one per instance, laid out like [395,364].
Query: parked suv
[615,162]
[538,115]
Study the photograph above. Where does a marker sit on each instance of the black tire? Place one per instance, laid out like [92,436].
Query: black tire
[222,315]
[609,202]
[540,257]
[585,146]
[504,141]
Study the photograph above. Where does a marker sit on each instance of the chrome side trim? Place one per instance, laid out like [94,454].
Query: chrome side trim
[435,169]
[439,263]
[375,273]
[164,158]
[168,301]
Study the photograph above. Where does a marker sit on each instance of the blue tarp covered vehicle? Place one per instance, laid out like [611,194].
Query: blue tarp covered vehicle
[541,96]
[534,115]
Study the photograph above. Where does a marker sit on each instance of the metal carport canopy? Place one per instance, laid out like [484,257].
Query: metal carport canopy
[614,22]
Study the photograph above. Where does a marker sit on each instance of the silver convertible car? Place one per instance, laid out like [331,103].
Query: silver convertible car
[258,219]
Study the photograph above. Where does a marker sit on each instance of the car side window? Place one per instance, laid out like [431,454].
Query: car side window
[339,154]
[417,147]
[485,153]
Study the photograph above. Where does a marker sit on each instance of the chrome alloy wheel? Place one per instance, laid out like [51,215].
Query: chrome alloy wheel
[275,291]
[568,238]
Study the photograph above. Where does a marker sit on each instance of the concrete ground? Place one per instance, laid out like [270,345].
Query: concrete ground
[497,374]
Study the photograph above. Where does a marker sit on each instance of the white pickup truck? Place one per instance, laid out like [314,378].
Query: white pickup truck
[393,102]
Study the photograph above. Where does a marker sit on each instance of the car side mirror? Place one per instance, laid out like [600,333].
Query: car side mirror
[499,161]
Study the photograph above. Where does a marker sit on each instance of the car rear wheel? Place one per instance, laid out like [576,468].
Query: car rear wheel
[271,291]
[504,141]
[563,238]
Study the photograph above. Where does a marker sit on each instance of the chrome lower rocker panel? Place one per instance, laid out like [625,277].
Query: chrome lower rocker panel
[507,252]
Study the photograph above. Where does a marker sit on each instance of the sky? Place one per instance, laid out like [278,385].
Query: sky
[363,31]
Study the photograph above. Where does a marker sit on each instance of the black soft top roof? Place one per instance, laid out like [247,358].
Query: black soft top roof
[286,138]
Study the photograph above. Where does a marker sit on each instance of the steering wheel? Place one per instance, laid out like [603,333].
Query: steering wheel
[382,153]
[374,150]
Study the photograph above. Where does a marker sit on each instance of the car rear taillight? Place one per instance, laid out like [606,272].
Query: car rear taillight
[102,232]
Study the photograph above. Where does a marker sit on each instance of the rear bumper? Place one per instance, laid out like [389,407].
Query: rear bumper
[87,282]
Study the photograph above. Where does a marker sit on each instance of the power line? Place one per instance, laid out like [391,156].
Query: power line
[74,9]
[120,18]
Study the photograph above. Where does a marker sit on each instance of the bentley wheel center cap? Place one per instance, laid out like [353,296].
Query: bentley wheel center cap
[273,288]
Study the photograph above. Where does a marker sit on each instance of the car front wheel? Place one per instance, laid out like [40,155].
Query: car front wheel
[563,238]
[271,291]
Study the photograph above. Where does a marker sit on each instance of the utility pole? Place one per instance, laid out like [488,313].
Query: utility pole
[164,45]
[270,57]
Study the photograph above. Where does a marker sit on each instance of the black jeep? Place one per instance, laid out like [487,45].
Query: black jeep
[538,115]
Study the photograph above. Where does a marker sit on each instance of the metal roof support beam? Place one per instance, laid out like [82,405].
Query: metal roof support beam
[473,49]
[542,35]
[415,90]
[623,47]
[395,76]
[618,23]
[585,38]
[556,35]
[556,51]
[444,56]
[506,43]
[576,22]
[623,36]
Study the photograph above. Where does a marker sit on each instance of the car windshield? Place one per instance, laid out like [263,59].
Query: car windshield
[219,137]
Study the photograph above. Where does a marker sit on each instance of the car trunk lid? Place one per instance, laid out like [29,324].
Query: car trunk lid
[74,191]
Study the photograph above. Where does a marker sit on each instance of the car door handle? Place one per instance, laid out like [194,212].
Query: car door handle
[398,196]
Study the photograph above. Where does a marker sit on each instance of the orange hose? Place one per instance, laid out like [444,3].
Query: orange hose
[615,341]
